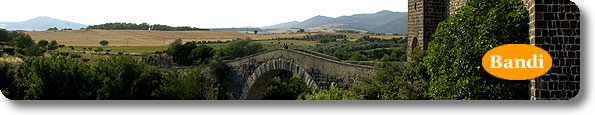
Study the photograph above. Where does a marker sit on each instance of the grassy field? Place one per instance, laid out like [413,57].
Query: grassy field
[116,49]
[155,38]
[267,44]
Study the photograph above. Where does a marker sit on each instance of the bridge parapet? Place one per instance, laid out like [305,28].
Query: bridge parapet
[323,69]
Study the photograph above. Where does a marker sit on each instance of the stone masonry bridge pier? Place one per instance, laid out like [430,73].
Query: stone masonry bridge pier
[249,76]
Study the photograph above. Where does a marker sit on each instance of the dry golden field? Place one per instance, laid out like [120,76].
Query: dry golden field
[152,38]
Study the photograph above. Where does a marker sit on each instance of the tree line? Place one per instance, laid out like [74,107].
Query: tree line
[22,44]
[142,26]
[118,77]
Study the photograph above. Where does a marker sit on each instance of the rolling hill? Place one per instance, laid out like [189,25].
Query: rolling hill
[380,22]
[40,23]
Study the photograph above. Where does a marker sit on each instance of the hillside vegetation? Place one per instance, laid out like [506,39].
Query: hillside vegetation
[143,26]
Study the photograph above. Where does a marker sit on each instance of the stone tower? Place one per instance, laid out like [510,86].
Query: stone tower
[423,18]
[555,27]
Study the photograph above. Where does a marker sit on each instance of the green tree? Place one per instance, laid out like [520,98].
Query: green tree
[54,28]
[333,93]
[23,41]
[191,86]
[43,43]
[301,31]
[242,47]
[5,79]
[358,57]
[181,53]
[454,56]
[104,42]
[201,53]
[124,77]
[4,36]
[50,78]
[396,81]
[285,89]
[34,50]
[54,45]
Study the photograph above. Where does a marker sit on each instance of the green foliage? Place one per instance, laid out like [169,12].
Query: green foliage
[54,45]
[242,47]
[26,46]
[23,41]
[43,43]
[50,78]
[118,77]
[333,93]
[4,36]
[395,82]
[202,53]
[358,57]
[104,42]
[143,26]
[219,69]
[285,89]
[345,49]
[7,37]
[191,86]
[454,56]
[54,28]
[181,53]
[397,54]
[34,50]
[5,79]
[348,31]
[124,77]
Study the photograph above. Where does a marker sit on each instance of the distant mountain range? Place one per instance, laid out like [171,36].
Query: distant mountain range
[380,22]
[40,23]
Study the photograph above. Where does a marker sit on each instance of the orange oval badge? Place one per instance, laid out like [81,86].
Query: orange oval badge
[517,61]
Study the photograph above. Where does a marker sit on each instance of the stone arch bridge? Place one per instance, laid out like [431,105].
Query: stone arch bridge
[249,76]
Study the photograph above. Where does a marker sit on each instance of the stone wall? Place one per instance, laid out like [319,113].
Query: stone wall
[323,71]
[555,27]
[423,18]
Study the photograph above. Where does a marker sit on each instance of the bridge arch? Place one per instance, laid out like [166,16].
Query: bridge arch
[268,70]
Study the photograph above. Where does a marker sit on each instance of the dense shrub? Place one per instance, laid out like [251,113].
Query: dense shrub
[120,77]
[124,77]
[242,47]
[181,53]
[53,45]
[4,36]
[51,78]
[5,79]
[43,43]
[189,86]
[103,42]
[395,82]
[454,56]
[202,53]
[346,49]
[285,89]
[333,93]
[22,41]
